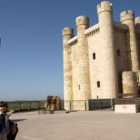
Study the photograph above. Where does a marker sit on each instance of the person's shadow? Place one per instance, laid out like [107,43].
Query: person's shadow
[18,120]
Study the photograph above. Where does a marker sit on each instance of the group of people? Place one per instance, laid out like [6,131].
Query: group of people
[8,129]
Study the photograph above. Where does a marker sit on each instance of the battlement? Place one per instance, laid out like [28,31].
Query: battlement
[73,40]
[92,30]
[67,31]
[104,6]
[120,27]
[127,15]
[82,20]
[137,20]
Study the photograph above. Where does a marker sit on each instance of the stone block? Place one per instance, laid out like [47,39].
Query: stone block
[126,108]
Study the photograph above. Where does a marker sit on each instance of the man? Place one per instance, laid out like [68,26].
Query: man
[13,130]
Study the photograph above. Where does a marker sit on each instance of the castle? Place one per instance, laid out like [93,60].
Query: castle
[102,61]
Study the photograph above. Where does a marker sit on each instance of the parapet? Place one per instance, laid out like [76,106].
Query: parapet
[82,20]
[120,27]
[104,6]
[73,41]
[92,30]
[67,31]
[127,15]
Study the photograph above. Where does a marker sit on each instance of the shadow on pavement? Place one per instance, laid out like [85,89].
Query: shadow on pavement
[18,120]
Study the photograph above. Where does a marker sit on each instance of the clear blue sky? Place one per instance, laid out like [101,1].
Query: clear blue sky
[31,64]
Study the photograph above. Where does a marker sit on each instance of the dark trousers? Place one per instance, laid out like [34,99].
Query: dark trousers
[12,136]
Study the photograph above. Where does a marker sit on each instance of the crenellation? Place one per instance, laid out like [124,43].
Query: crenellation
[92,31]
[67,31]
[127,15]
[73,41]
[120,27]
[82,20]
[104,6]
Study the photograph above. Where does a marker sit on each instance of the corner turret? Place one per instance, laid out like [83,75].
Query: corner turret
[67,31]
[82,20]
[137,20]
[127,18]
[81,83]
[127,15]
[67,34]
[109,87]
[82,23]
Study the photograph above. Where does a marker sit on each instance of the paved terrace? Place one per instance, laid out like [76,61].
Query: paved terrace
[81,125]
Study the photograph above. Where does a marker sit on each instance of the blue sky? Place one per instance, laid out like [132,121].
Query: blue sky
[31,66]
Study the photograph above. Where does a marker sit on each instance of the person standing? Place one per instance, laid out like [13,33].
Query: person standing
[4,125]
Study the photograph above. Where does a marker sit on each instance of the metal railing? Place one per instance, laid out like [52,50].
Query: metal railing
[91,104]
[29,105]
[99,104]
[25,105]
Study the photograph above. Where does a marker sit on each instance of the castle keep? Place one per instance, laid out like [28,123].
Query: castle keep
[102,61]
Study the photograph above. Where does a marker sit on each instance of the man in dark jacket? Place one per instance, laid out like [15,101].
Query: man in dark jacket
[13,130]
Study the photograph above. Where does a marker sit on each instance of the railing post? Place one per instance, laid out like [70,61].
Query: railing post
[100,103]
[38,105]
[87,105]
[30,104]
[19,106]
[70,105]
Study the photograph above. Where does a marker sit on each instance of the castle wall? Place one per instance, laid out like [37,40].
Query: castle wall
[121,51]
[94,50]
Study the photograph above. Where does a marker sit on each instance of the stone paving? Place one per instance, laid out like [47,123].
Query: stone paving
[81,125]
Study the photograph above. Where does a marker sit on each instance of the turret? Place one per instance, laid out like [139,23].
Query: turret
[137,20]
[127,18]
[67,34]
[129,81]
[81,83]
[109,81]
[82,23]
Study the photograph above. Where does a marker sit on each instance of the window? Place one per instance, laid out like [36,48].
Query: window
[98,84]
[118,52]
[79,87]
[94,56]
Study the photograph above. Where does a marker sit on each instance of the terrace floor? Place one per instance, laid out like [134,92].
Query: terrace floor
[81,125]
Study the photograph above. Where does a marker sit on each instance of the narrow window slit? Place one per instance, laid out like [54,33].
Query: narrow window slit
[98,84]
[79,87]
[118,52]
[94,56]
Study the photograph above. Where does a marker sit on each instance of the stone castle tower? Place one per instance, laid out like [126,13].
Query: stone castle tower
[102,61]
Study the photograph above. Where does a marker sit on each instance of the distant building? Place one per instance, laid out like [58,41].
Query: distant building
[102,61]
